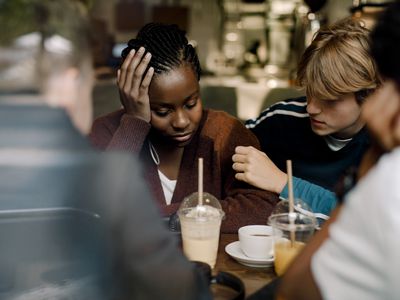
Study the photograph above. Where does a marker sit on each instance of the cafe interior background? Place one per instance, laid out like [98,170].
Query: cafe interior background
[248,49]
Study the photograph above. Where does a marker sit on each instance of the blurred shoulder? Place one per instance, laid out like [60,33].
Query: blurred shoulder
[110,118]
[381,182]
[389,165]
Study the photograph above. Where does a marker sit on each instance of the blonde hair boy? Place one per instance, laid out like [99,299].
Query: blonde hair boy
[322,133]
[338,62]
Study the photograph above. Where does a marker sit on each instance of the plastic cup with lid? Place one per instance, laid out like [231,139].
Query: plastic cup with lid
[200,227]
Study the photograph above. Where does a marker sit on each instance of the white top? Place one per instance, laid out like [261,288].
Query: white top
[168,187]
[336,144]
[361,259]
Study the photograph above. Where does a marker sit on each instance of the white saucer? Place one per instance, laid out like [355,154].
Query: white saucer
[233,249]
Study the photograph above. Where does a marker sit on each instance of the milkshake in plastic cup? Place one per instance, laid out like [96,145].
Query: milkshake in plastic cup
[291,232]
[200,227]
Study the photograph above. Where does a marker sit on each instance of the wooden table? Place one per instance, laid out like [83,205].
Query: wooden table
[253,278]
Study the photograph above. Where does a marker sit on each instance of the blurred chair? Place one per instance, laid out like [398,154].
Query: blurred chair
[281,93]
[220,98]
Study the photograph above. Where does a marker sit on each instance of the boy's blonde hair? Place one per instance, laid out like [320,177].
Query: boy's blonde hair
[338,62]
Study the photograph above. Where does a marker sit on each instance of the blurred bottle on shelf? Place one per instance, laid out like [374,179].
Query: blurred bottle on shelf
[291,25]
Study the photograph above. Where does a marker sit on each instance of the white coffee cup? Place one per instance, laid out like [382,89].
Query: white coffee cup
[256,241]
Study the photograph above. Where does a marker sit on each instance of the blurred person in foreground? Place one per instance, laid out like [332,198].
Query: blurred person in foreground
[322,133]
[163,121]
[356,255]
[74,223]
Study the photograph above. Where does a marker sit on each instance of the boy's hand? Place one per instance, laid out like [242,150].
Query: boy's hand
[256,168]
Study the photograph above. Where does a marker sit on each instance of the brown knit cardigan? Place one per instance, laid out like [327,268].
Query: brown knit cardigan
[215,141]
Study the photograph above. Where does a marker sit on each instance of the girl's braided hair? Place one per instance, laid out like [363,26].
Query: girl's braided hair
[168,46]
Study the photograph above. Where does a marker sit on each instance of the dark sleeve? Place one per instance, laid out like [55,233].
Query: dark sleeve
[129,133]
[266,131]
[151,264]
[243,204]
[278,123]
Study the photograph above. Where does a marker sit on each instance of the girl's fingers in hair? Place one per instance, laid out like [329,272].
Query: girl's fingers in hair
[139,72]
[131,79]
[146,80]
[124,68]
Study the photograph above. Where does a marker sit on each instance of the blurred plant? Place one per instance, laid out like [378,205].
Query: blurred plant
[37,60]
[18,17]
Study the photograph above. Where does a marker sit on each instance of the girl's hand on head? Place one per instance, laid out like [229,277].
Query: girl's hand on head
[256,168]
[133,84]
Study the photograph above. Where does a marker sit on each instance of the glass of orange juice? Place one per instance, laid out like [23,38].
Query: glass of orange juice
[291,232]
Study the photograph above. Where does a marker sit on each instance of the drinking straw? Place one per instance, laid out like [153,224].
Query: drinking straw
[290,184]
[291,199]
[200,183]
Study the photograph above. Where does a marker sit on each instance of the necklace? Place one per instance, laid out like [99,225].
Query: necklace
[154,154]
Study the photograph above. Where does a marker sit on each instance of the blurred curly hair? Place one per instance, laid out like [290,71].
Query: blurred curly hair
[386,43]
